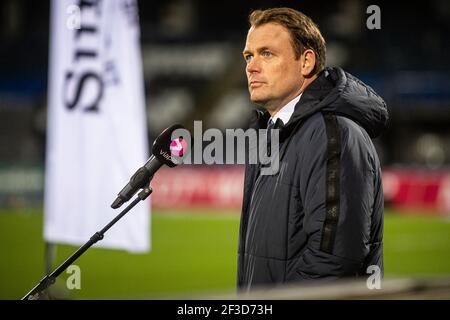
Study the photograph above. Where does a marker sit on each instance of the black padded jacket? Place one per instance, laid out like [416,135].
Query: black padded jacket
[321,215]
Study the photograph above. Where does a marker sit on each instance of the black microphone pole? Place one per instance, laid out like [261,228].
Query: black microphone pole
[48,280]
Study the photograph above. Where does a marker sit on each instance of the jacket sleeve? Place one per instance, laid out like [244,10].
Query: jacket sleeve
[337,194]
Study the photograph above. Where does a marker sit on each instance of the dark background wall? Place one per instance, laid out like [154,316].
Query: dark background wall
[194,70]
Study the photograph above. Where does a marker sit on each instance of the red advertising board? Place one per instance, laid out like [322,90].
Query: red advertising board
[222,186]
[198,186]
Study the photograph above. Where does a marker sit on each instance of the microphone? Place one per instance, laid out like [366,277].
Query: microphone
[165,151]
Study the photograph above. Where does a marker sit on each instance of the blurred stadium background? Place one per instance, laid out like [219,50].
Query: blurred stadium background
[194,70]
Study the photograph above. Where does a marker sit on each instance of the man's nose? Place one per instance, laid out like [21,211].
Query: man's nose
[253,65]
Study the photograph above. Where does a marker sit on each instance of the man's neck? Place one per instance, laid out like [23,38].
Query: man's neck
[285,113]
[273,110]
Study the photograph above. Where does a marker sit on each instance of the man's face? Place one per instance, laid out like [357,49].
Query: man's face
[273,74]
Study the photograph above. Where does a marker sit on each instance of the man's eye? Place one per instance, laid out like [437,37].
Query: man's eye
[266,54]
[248,58]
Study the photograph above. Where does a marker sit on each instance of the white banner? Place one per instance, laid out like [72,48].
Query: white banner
[96,123]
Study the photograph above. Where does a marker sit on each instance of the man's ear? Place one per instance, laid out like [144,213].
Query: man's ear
[308,62]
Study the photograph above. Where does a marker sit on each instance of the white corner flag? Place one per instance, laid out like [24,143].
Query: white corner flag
[96,137]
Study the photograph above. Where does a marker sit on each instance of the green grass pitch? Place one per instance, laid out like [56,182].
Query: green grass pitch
[193,255]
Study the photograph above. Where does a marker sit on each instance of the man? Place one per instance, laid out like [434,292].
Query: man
[321,215]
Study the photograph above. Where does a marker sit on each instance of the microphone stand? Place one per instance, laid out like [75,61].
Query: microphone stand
[50,279]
